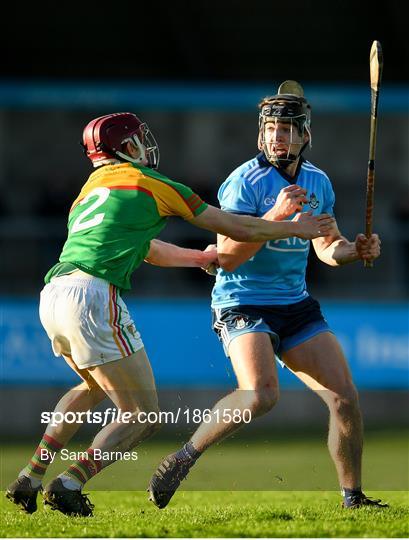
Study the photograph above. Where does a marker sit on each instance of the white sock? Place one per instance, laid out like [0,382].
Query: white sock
[35,482]
[70,483]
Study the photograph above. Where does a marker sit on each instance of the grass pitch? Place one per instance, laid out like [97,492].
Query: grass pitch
[217,514]
[246,508]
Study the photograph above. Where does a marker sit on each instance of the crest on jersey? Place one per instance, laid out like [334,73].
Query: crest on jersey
[241,323]
[313,202]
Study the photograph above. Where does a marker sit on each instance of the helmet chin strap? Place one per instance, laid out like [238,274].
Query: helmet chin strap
[141,148]
[148,150]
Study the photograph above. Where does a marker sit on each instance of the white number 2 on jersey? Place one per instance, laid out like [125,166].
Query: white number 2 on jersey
[102,194]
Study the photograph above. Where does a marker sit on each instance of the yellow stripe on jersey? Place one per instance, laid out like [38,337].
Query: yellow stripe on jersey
[168,199]
[110,177]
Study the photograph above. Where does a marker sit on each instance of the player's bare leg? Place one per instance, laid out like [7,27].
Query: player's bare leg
[81,398]
[23,491]
[321,365]
[252,358]
[130,385]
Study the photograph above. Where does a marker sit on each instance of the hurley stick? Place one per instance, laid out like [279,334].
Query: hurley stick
[375,66]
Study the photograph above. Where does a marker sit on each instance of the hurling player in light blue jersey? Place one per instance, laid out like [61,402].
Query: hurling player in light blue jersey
[261,306]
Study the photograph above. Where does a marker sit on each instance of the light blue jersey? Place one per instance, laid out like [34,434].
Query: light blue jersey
[276,273]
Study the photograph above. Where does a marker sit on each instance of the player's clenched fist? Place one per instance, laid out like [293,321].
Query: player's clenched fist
[314,226]
[290,200]
[368,249]
[210,260]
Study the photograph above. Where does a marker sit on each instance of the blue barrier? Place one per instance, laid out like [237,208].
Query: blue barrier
[324,98]
[185,352]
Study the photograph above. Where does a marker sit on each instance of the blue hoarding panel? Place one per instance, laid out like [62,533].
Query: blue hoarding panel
[334,99]
[184,351]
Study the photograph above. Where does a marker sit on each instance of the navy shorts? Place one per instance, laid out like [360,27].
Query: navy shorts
[288,325]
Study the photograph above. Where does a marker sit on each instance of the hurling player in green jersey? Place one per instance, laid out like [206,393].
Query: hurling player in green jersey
[112,226]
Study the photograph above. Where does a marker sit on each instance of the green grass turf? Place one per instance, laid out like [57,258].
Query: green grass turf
[275,472]
[216,514]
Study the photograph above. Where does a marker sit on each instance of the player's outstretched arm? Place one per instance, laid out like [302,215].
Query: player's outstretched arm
[165,254]
[252,229]
[232,254]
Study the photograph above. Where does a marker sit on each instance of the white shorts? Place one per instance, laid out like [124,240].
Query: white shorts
[85,318]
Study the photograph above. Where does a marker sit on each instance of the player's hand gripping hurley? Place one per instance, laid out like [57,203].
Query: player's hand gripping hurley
[375,66]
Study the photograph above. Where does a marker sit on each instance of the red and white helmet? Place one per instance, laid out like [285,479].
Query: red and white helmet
[104,138]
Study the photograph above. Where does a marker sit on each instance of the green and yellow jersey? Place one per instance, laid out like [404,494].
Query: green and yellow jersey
[119,210]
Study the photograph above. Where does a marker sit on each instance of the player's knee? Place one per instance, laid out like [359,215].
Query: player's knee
[346,403]
[262,401]
[96,394]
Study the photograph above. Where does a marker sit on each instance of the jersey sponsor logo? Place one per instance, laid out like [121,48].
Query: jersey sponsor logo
[288,244]
[313,202]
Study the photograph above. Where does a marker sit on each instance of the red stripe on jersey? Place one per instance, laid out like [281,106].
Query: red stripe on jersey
[174,189]
[137,188]
[195,205]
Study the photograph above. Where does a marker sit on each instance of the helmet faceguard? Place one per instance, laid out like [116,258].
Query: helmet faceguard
[105,138]
[289,106]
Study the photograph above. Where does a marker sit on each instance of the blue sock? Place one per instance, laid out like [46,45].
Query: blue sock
[350,494]
[188,453]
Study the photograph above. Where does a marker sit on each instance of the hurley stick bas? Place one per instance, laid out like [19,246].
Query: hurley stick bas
[375,68]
